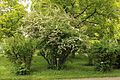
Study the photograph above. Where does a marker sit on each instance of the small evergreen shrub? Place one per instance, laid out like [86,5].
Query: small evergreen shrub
[19,51]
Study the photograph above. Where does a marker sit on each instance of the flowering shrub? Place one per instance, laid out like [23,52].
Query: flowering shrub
[56,47]
[56,37]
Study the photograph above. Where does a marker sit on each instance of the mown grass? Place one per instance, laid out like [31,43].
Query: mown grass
[75,68]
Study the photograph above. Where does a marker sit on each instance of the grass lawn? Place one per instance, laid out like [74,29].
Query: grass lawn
[75,68]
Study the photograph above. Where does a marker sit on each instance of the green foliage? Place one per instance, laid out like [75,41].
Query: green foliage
[96,18]
[56,47]
[117,65]
[58,26]
[19,50]
[105,55]
[11,12]
[57,38]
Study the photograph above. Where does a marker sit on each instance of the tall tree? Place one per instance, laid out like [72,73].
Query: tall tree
[96,18]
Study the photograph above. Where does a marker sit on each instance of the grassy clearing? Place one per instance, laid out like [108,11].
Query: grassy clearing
[75,68]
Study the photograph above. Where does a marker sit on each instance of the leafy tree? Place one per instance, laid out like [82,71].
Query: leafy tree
[97,17]
[11,12]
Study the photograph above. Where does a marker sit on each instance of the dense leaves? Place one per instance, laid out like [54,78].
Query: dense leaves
[96,17]
[57,38]
[61,28]
[11,12]
[105,53]
[20,50]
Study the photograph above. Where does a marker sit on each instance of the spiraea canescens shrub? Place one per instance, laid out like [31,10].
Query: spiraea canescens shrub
[56,35]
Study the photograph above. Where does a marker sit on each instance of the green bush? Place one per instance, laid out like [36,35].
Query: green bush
[105,55]
[19,50]
[117,65]
[56,47]
[56,36]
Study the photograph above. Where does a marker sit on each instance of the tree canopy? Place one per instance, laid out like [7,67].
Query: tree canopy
[97,18]
[11,12]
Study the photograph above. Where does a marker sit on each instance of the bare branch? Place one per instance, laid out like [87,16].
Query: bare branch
[89,16]
[72,4]
[92,22]
[83,11]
